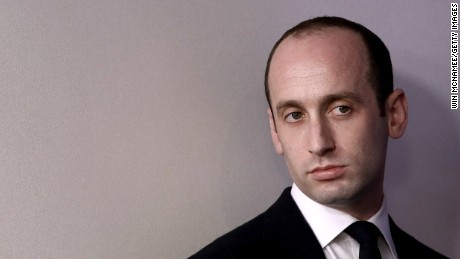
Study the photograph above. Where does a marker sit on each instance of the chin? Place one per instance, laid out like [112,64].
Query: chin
[334,196]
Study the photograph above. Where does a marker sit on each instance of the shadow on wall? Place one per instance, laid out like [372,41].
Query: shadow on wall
[422,173]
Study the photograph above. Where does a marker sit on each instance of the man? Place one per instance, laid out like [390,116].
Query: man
[332,107]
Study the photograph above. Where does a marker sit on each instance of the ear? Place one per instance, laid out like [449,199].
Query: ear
[397,113]
[274,133]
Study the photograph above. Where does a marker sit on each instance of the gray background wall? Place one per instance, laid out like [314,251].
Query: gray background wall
[137,129]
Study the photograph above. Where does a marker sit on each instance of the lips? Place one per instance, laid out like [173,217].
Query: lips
[326,173]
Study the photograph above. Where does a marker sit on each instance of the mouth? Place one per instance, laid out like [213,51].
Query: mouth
[326,173]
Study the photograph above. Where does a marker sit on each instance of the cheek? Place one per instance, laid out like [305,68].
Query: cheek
[372,141]
[363,137]
[294,147]
[292,140]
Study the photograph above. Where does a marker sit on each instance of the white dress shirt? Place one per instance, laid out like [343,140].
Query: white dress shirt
[328,225]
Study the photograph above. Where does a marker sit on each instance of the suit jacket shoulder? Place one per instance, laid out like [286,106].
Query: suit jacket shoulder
[408,247]
[279,232]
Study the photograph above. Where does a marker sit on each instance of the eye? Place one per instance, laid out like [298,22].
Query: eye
[341,110]
[294,116]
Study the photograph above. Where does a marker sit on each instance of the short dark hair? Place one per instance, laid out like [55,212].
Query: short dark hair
[380,69]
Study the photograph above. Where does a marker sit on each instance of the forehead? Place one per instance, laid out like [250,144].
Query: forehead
[327,57]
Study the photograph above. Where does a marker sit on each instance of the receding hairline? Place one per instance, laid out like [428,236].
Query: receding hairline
[318,31]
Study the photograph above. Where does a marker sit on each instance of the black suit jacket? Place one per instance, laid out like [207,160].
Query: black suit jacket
[282,232]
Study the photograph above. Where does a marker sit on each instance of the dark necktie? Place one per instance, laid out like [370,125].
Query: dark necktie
[367,235]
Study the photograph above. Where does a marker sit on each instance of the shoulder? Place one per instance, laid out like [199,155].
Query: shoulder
[254,239]
[409,247]
[242,242]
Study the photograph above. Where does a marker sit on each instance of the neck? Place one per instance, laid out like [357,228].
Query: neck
[364,208]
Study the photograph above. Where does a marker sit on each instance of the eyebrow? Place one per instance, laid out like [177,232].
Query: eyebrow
[324,101]
[346,95]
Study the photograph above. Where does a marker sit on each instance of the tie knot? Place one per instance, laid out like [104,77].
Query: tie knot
[363,232]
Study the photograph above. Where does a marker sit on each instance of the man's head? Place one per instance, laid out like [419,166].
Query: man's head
[326,120]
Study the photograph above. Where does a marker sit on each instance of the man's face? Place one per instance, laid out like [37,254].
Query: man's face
[326,117]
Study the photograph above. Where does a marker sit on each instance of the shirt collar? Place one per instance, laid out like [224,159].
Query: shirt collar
[382,220]
[327,223]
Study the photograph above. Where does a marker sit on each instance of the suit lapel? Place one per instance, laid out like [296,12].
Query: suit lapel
[286,227]
[398,238]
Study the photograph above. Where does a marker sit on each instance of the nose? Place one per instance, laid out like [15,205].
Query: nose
[320,138]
